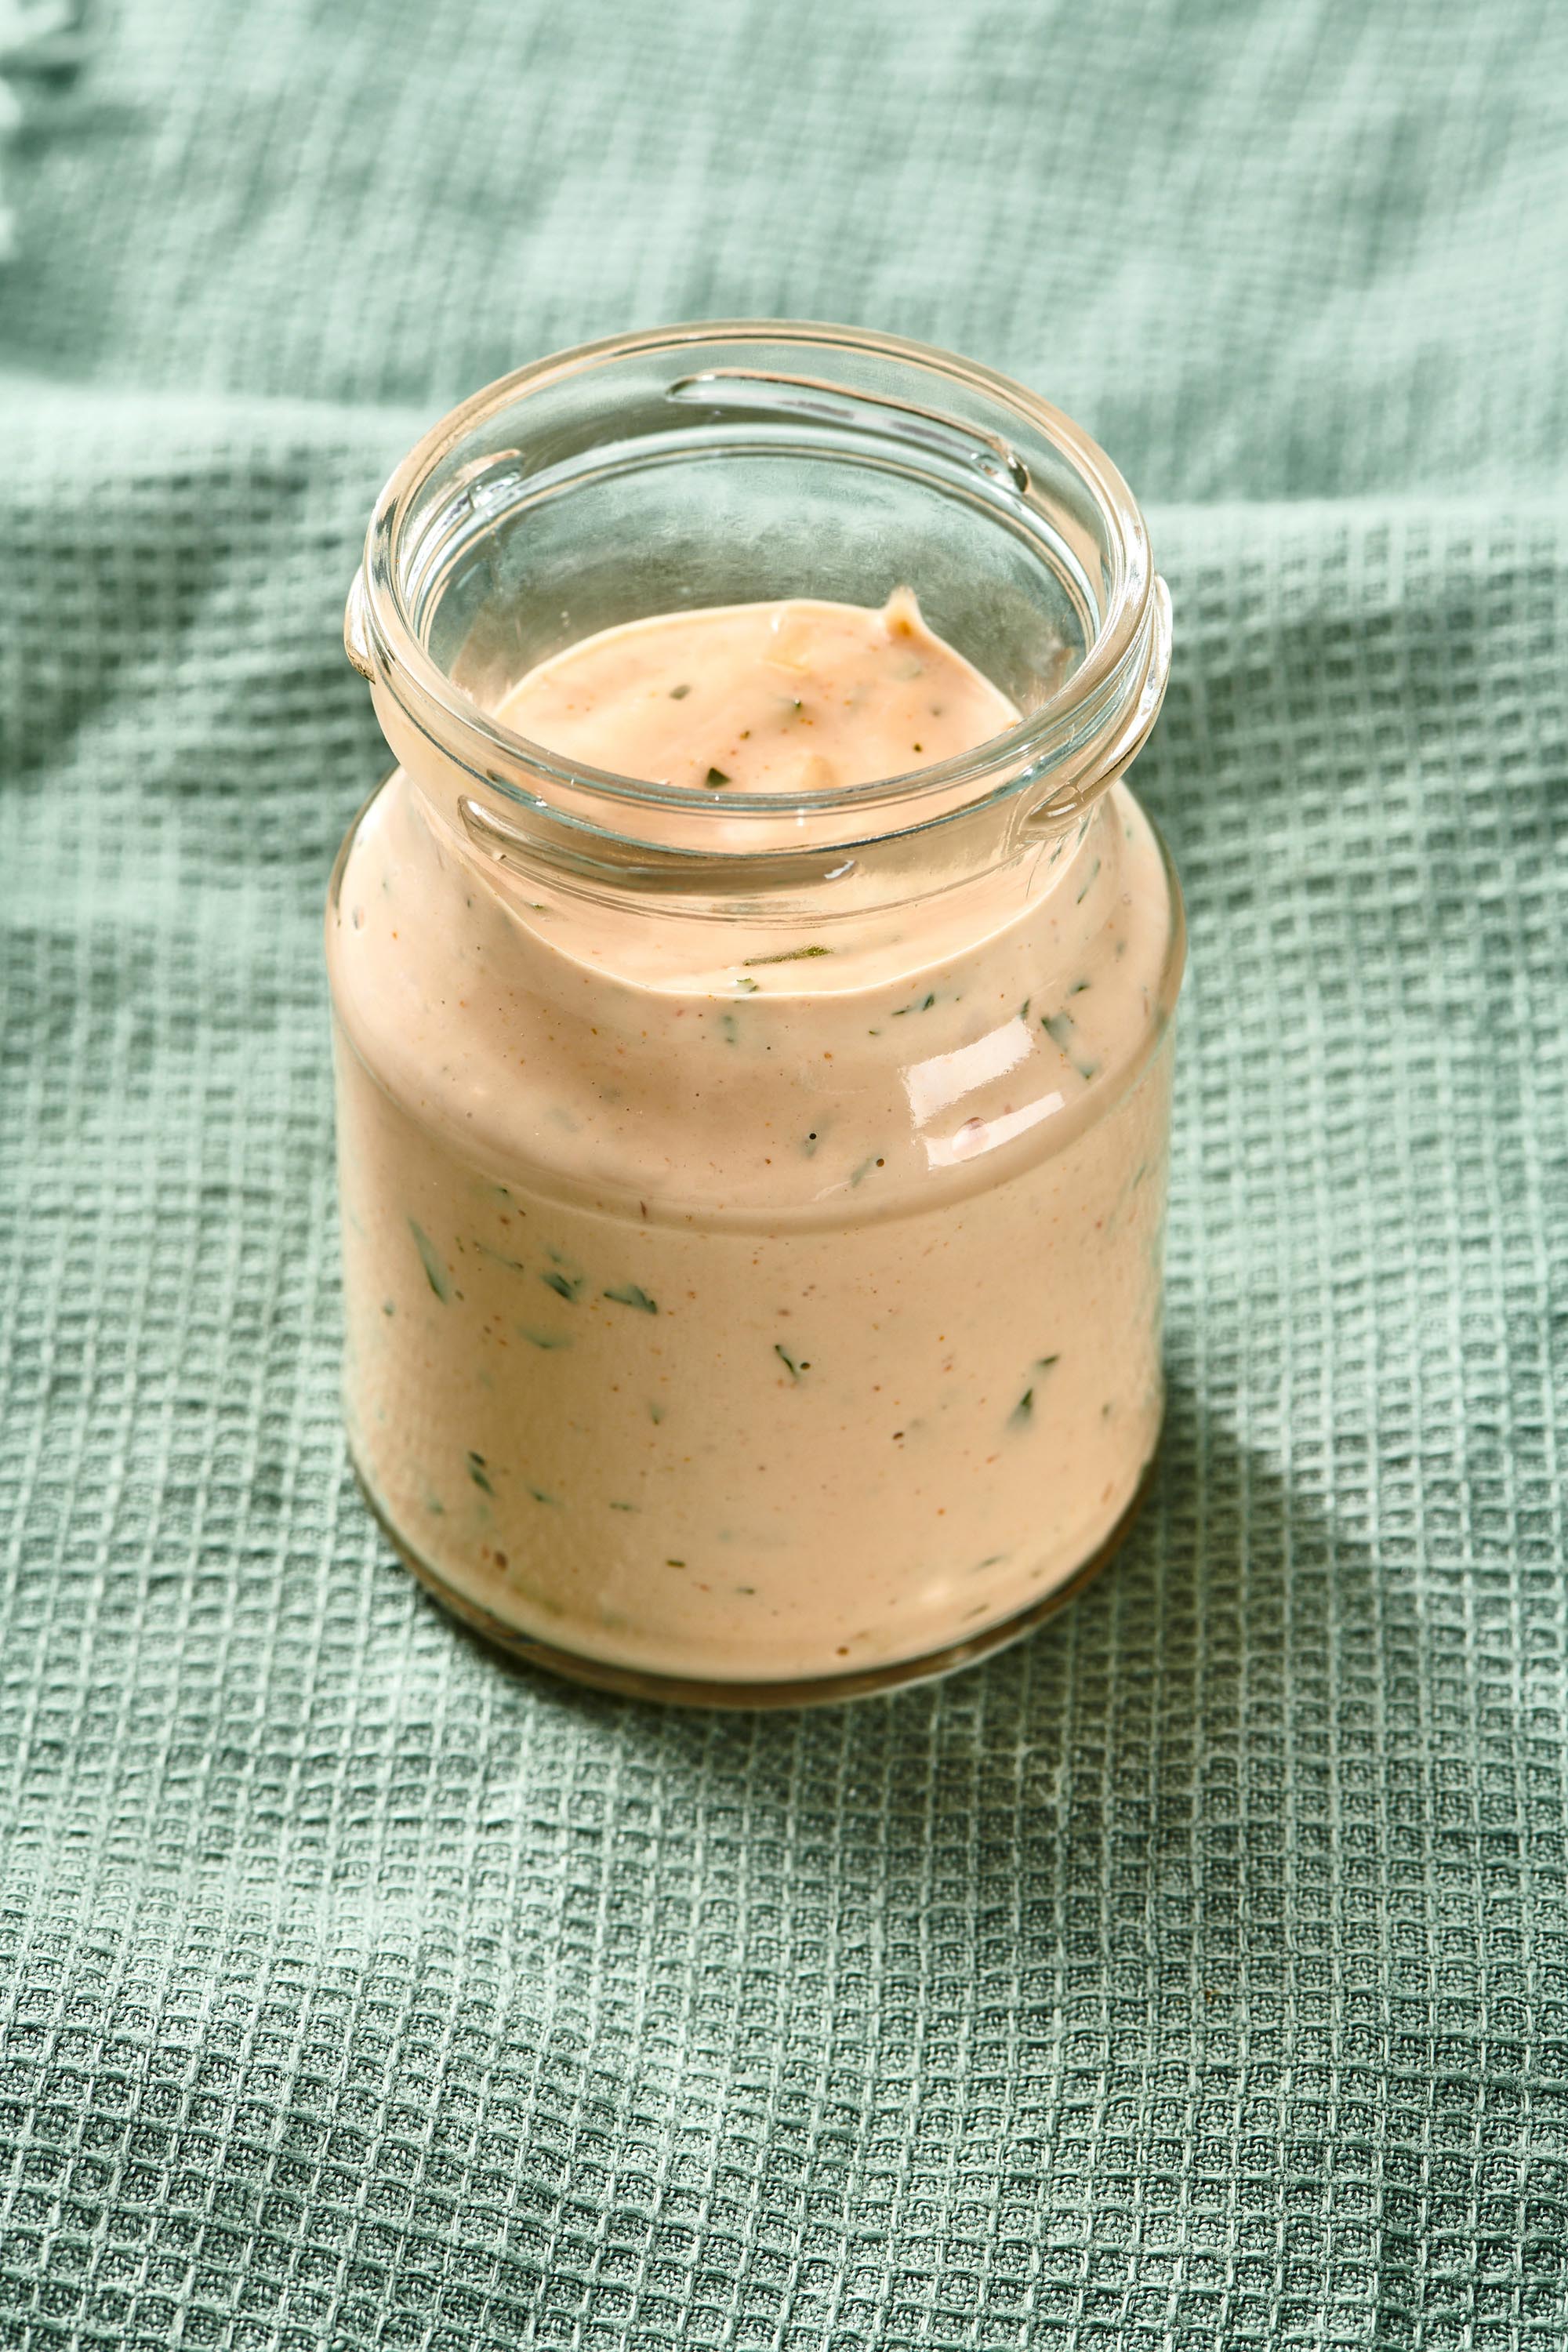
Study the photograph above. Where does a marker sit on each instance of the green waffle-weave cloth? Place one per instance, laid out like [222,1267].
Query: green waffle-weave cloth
[1193,1977]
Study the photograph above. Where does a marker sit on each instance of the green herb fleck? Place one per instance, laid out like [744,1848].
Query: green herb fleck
[565,1286]
[436,1507]
[675,1563]
[748,984]
[790,955]
[1088,885]
[387,1307]
[541,1496]
[792,1365]
[678,693]
[1078,988]
[656,1414]
[435,1272]
[513,1265]
[747,1590]
[1024,1008]
[1044,1364]
[543,1339]
[1023,1409]
[628,1294]
[727,1024]
[1057,1027]
[858,1174]
[478,1473]
[623,1507]
[924,1006]
[1087,1069]
[715,778]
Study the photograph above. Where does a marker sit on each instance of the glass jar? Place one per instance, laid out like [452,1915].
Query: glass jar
[752,1212]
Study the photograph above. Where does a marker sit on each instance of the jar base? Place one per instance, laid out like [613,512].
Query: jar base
[815,1690]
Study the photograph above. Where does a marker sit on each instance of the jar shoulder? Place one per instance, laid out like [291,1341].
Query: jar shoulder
[769,1093]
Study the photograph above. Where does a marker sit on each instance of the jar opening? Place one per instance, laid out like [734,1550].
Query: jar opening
[730,463]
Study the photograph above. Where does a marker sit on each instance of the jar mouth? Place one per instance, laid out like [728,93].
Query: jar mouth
[978,426]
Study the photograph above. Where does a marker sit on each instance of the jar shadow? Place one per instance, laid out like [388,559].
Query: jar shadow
[1150,1791]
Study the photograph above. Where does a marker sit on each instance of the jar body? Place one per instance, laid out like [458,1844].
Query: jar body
[752,1342]
[752,1202]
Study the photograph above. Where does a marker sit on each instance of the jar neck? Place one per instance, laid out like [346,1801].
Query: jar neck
[761,885]
[716,463]
[873,919]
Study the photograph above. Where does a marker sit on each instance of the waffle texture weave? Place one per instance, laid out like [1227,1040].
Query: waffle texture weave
[1195,1977]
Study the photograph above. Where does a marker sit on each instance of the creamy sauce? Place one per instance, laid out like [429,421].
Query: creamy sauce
[802,696]
[777,1305]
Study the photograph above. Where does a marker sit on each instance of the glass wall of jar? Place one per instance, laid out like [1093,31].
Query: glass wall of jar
[752,1208]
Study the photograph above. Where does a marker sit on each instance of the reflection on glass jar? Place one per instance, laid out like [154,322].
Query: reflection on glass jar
[753,1205]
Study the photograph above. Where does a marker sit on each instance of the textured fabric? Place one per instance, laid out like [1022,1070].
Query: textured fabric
[1194,1976]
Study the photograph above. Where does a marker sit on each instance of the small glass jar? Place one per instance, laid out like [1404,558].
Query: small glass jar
[752,1212]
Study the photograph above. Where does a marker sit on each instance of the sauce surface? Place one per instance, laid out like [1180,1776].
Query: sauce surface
[799,697]
[753,1315]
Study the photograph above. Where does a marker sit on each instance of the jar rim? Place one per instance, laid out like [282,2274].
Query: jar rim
[1082,734]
